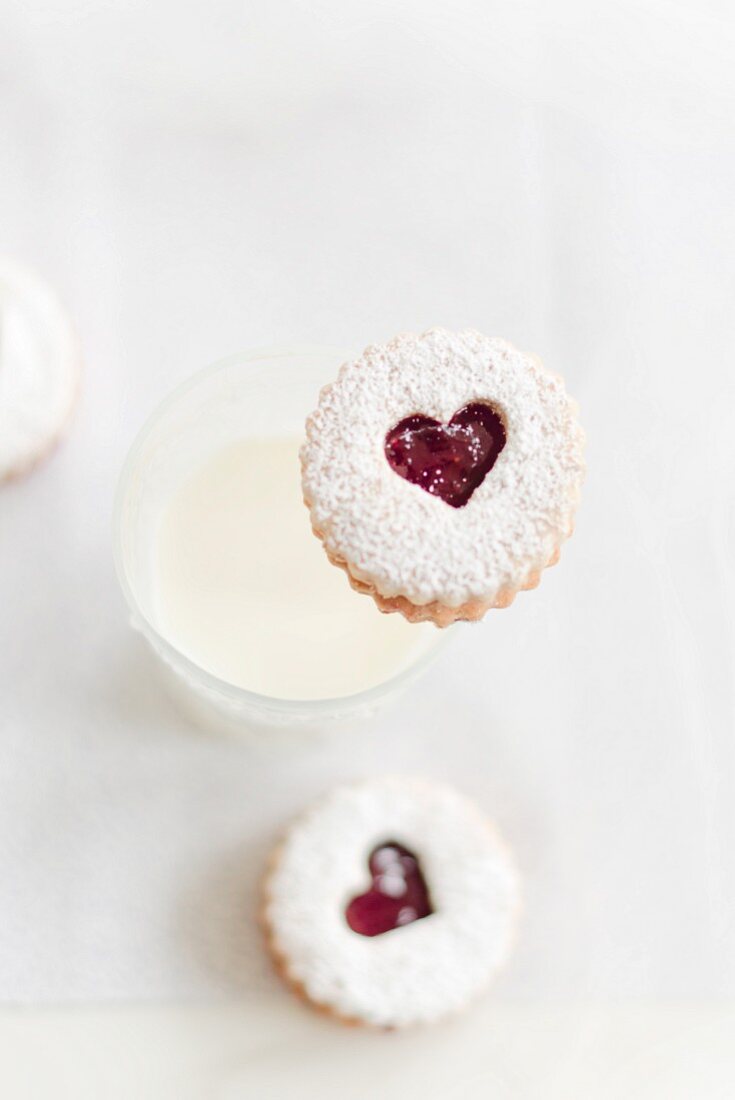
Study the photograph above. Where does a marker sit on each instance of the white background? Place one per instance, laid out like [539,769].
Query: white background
[200,179]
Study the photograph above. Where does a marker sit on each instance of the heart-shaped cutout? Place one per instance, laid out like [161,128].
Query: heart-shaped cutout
[447,460]
[398,894]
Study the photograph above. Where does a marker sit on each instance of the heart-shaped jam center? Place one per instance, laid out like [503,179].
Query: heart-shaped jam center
[398,894]
[447,460]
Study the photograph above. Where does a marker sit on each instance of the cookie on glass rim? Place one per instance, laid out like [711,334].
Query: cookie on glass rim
[391,902]
[40,367]
[442,473]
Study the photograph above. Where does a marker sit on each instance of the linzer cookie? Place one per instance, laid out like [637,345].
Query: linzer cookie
[391,902]
[39,370]
[442,473]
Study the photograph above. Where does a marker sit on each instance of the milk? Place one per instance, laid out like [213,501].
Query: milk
[245,590]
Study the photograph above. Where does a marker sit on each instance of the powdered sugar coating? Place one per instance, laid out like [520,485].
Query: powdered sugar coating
[398,539]
[421,971]
[39,369]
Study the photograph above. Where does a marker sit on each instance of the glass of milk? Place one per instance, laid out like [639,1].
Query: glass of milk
[217,560]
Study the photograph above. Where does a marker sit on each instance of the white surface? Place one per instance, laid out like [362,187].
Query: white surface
[275,1051]
[196,182]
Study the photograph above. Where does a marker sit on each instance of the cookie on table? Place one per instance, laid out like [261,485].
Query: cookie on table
[40,366]
[442,473]
[391,902]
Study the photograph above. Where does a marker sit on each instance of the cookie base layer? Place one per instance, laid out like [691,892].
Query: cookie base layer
[441,615]
[40,372]
[401,544]
[475,898]
[22,469]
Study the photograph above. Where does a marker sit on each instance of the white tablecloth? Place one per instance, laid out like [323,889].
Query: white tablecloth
[199,180]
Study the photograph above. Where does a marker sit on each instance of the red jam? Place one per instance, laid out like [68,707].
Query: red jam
[398,894]
[447,460]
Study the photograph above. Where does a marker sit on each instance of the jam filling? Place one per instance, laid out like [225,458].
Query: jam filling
[398,893]
[447,460]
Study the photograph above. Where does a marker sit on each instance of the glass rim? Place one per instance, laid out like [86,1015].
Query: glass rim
[174,657]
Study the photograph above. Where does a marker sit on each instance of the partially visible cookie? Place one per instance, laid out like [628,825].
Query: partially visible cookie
[442,473]
[391,902]
[40,367]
